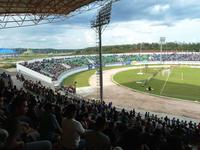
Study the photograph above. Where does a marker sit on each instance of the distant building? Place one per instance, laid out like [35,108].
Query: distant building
[6,53]
[28,52]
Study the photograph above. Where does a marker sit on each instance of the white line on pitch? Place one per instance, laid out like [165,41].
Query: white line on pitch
[182,75]
[161,91]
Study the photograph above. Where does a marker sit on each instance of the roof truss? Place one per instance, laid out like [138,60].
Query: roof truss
[18,13]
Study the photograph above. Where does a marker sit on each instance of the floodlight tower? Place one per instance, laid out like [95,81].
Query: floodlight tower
[162,41]
[102,19]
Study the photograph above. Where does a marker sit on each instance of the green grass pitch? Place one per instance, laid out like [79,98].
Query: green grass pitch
[177,82]
[82,78]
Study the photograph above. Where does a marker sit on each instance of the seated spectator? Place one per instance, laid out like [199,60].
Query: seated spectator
[130,139]
[85,120]
[3,113]
[14,143]
[130,130]
[48,124]
[3,138]
[18,110]
[58,114]
[17,128]
[18,107]
[96,139]
[72,129]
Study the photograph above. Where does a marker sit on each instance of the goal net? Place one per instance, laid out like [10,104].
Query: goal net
[166,72]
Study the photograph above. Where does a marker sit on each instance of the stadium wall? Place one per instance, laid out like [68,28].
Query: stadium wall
[34,74]
[76,70]
[68,73]
[170,62]
[84,68]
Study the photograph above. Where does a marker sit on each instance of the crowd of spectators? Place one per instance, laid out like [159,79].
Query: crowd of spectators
[164,57]
[55,67]
[36,117]
[49,67]
[176,57]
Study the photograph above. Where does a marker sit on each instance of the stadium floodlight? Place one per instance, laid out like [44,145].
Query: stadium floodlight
[103,16]
[162,41]
[102,19]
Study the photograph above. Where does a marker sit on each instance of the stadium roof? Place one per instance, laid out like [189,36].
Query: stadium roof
[17,13]
[7,51]
[62,7]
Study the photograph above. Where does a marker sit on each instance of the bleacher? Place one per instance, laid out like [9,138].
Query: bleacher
[37,117]
[57,66]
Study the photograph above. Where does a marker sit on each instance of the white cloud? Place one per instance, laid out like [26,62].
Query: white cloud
[89,37]
[132,21]
[186,2]
[143,31]
[116,33]
[156,9]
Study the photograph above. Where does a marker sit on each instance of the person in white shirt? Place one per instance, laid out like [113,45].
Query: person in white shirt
[72,129]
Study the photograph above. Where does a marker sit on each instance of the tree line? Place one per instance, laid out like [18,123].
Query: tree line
[126,48]
[143,47]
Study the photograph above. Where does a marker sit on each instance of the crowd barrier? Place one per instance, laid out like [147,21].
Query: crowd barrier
[169,63]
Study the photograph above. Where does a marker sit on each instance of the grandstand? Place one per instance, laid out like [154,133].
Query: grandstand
[35,116]
[55,68]
[124,124]
[126,129]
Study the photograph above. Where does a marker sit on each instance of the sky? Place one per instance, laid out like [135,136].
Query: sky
[132,21]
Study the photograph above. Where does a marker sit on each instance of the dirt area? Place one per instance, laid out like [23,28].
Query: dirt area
[127,98]
[14,70]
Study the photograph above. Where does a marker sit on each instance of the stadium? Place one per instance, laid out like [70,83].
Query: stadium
[146,99]
[173,79]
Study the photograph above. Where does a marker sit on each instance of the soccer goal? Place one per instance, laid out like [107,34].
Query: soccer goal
[166,72]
